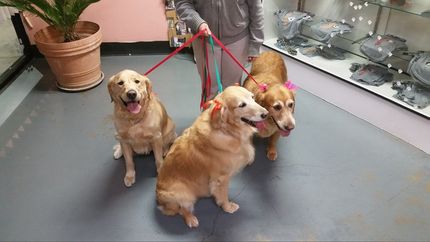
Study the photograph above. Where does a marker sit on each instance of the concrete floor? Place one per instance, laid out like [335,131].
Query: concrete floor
[336,178]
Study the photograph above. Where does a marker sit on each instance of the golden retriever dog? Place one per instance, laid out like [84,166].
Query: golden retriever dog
[269,69]
[140,120]
[204,158]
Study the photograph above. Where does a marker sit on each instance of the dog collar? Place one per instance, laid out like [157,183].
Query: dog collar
[276,124]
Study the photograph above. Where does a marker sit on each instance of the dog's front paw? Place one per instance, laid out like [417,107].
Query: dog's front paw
[192,221]
[272,154]
[117,151]
[230,207]
[129,179]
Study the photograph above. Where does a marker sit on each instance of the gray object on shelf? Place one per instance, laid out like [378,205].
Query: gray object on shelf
[326,29]
[291,44]
[370,74]
[419,68]
[290,23]
[331,53]
[412,93]
[379,47]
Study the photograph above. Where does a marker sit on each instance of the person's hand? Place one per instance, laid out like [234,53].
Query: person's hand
[251,58]
[204,26]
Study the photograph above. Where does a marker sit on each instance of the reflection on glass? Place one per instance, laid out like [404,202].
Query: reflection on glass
[10,48]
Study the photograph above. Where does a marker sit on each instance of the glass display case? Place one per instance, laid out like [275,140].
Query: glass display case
[381,46]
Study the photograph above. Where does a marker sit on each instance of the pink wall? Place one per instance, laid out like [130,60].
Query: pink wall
[122,20]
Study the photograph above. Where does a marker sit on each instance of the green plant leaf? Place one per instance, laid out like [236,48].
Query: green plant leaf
[62,14]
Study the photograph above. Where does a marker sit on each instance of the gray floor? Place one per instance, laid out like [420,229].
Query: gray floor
[336,178]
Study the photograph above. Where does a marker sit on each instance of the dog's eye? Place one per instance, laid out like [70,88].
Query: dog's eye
[242,105]
[121,83]
[291,105]
[137,81]
[277,107]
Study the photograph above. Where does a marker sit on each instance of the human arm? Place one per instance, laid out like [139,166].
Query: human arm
[187,13]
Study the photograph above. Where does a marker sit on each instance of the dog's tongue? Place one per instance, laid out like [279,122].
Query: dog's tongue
[285,133]
[260,125]
[133,107]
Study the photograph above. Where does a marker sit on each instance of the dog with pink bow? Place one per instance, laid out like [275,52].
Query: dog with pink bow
[276,94]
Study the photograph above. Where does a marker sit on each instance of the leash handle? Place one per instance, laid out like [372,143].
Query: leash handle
[175,52]
[206,85]
[218,77]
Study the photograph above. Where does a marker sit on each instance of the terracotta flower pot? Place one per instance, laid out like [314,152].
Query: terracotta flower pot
[76,64]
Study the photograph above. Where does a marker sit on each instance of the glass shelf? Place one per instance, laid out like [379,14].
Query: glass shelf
[340,69]
[416,7]
[351,42]
[373,18]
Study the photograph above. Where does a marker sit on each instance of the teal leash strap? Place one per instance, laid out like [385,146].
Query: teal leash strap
[218,77]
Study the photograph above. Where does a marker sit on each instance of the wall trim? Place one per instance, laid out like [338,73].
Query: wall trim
[135,48]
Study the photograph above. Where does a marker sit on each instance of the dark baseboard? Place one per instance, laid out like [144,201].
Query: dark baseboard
[12,72]
[136,48]
[139,48]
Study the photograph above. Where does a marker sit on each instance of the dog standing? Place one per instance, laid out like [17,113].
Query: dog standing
[140,119]
[269,68]
[204,158]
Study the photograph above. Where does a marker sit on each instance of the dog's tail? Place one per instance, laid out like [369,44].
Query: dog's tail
[171,203]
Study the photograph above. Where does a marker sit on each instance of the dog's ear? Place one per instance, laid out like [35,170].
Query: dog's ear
[259,97]
[218,114]
[110,85]
[148,85]
[224,114]
[294,93]
[294,99]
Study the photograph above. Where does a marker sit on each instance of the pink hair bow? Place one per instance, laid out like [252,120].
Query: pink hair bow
[290,86]
[262,87]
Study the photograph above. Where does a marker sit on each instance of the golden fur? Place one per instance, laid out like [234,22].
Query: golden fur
[269,68]
[140,119]
[203,159]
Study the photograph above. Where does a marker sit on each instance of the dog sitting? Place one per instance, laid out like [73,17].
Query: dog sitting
[204,158]
[278,99]
[140,119]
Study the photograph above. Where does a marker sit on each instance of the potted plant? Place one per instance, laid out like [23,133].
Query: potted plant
[71,47]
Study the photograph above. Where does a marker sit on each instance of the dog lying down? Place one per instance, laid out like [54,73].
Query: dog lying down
[269,68]
[204,158]
[140,119]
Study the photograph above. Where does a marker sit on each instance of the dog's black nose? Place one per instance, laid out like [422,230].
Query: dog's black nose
[264,115]
[288,128]
[131,94]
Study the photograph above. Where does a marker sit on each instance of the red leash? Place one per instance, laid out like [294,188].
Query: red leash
[175,52]
[262,87]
